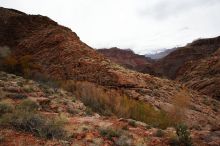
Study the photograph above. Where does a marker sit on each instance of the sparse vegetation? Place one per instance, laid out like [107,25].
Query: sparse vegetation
[25,118]
[5,108]
[183,135]
[108,102]
[181,102]
[27,105]
[110,133]
[16,96]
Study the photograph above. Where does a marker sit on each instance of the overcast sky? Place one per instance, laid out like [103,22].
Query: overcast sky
[142,25]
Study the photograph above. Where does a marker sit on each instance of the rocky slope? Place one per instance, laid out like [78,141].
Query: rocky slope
[81,125]
[203,75]
[128,59]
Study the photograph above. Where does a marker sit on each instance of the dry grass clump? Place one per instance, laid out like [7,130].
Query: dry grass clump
[180,103]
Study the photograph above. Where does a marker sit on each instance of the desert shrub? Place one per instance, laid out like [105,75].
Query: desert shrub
[89,111]
[73,99]
[45,104]
[183,135]
[159,133]
[110,133]
[17,96]
[53,130]
[26,121]
[68,85]
[46,81]
[181,102]
[5,108]
[35,123]
[124,140]
[132,123]
[25,118]
[28,105]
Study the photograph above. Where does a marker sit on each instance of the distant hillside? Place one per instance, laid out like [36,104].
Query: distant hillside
[161,54]
[196,65]
[189,64]
[128,59]
[169,65]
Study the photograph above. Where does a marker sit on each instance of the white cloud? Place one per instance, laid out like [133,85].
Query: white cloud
[142,25]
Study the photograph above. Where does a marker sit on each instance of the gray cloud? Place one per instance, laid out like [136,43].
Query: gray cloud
[163,9]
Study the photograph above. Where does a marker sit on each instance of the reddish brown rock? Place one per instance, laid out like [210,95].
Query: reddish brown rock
[128,59]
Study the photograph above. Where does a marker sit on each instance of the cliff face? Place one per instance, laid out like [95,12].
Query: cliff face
[129,59]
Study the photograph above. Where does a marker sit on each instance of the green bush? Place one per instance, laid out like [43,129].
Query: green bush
[110,133]
[183,135]
[5,108]
[28,105]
